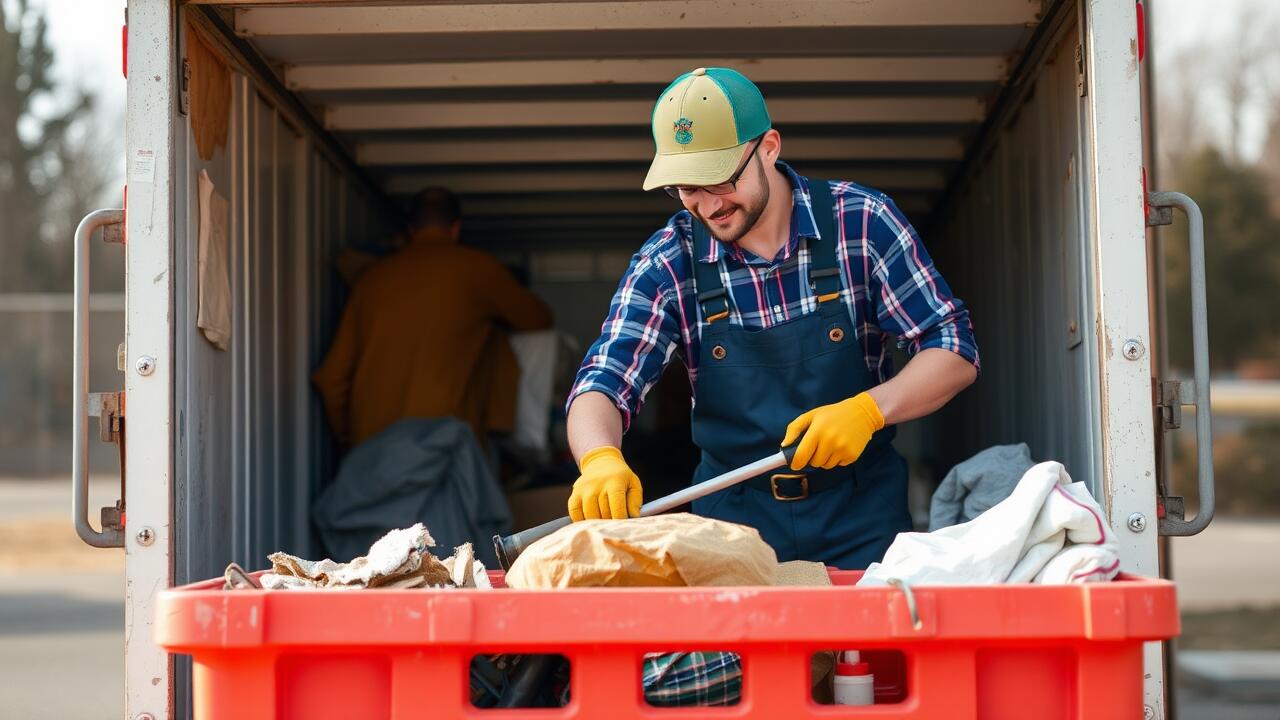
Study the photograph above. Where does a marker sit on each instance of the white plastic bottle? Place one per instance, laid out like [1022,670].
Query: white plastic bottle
[854,683]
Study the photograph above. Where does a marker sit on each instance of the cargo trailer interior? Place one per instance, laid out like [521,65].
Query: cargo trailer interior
[973,116]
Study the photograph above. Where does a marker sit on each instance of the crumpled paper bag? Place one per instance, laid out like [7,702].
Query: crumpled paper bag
[665,550]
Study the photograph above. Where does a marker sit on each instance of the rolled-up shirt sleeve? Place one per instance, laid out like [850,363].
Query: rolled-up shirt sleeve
[636,341]
[912,300]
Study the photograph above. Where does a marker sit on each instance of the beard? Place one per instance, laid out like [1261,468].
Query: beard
[747,214]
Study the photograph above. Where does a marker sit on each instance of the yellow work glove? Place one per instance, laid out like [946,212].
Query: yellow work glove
[606,488]
[834,435]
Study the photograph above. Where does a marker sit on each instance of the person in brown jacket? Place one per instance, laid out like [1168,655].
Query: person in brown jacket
[424,334]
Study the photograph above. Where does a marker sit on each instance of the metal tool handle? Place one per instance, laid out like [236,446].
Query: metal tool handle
[1200,365]
[509,548]
[108,537]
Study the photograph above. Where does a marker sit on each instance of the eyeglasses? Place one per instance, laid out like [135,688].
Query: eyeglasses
[724,188]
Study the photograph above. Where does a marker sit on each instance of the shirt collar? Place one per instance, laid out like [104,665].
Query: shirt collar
[802,222]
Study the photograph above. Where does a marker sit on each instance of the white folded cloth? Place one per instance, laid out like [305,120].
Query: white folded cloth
[1049,530]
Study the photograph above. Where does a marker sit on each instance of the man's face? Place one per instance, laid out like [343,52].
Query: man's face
[730,217]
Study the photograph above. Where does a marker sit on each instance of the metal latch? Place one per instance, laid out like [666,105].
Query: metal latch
[1173,395]
[108,407]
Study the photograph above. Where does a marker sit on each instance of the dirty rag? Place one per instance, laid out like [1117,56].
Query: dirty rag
[213,313]
[1050,530]
[398,560]
[977,484]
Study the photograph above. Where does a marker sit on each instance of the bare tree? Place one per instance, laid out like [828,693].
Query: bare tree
[1243,68]
[1181,125]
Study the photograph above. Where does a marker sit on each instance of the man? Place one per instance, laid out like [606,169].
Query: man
[422,334]
[777,292]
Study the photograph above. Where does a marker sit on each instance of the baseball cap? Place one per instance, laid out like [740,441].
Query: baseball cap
[701,123]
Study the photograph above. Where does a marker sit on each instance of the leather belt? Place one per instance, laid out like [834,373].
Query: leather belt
[790,486]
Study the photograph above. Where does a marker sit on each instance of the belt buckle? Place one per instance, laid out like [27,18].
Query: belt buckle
[804,486]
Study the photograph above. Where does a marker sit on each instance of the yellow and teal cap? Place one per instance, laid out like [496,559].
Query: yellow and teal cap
[701,123]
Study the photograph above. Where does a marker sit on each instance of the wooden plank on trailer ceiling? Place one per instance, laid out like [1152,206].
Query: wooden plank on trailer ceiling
[526,181]
[636,15]
[525,73]
[516,150]
[579,113]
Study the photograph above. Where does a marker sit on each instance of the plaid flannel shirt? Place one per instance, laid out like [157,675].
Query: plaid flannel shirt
[692,679]
[888,284]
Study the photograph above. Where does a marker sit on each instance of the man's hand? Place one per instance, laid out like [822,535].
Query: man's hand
[834,435]
[606,489]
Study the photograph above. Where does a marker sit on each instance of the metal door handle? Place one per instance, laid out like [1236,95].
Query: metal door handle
[109,536]
[1160,202]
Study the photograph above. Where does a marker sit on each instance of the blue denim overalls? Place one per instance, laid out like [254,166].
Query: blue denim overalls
[752,383]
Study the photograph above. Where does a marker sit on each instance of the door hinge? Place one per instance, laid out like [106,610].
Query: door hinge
[184,89]
[1082,87]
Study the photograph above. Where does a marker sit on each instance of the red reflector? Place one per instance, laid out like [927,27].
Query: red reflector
[1142,31]
[124,50]
[1146,209]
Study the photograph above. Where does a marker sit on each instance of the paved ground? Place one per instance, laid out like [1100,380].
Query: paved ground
[1232,563]
[62,646]
[62,627]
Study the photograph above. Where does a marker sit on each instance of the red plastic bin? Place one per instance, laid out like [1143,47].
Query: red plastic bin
[988,652]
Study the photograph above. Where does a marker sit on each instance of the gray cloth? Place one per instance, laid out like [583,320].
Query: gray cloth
[976,484]
[423,470]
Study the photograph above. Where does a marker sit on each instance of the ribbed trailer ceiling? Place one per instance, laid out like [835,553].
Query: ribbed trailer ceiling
[537,112]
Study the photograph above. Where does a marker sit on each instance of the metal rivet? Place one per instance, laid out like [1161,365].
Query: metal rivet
[1137,522]
[1072,327]
[145,365]
[836,334]
[718,352]
[144,716]
[1148,712]
[1133,349]
[146,536]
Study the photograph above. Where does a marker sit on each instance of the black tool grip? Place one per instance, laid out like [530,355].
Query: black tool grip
[789,452]
[509,548]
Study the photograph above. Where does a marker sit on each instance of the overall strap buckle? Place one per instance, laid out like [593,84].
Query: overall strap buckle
[824,271]
[714,304]
[713,299]
[825,283]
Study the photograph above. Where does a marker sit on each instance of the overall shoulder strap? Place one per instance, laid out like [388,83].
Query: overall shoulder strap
[712,297]
[824,272]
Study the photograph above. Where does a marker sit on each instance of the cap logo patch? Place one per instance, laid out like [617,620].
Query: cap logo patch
[684,131]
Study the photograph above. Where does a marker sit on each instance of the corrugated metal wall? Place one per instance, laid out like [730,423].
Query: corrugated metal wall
[252,443]
[1012,243]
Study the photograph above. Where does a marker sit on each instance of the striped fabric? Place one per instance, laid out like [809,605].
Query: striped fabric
[692,678]
[888,284]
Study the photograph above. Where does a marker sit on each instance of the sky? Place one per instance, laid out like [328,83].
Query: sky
[86,38]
